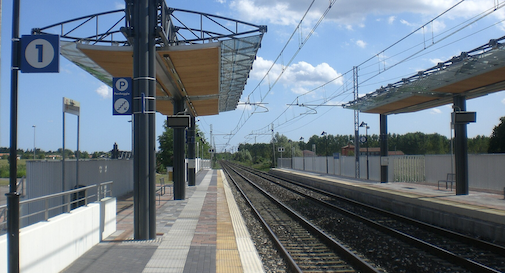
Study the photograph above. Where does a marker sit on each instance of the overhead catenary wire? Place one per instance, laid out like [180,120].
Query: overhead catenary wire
[382,58]
[284,67]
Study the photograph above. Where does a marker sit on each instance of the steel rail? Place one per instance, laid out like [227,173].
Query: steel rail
[474,266]
[441,231]
[332,243]
[283,251]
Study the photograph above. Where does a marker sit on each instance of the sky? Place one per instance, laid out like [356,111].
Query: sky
[313,68]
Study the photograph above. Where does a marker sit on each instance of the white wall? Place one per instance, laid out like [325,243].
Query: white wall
[53,245]
[485,171]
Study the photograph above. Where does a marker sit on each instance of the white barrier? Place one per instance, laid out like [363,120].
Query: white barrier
[485,171]
[52,245]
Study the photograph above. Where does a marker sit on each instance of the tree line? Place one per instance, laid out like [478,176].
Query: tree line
[41,154]
[416,143]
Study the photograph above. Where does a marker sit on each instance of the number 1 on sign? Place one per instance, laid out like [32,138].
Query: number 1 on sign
[40,49]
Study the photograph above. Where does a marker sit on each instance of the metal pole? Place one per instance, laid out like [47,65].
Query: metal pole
[191,136]
[34,149]
[63,161]
[77,154]
[384,147]
[460,149]
[144,21]
[273,147]
[179,166]
[356,124]
[367,144]
[151,116]
[13,195]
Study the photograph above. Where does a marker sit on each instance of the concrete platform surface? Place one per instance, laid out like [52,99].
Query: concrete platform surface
[478,213]
[203,233]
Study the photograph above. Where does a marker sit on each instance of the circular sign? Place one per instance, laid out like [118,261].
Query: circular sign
[121,106]
[362,139]
[39,53]
[121,85]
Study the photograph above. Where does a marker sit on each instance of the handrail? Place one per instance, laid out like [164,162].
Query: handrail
[68,202]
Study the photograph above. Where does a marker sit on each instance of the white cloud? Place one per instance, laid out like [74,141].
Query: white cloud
[347,12]
[435,61]
[503,101]
[221,1]
[406,23]
[119,5]
[435,111]
[299,77]
[361,44]
[391,19]
[104,91]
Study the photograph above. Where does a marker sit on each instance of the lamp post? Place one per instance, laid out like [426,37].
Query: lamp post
[292,152]
[325,149]
[364,124]
[303,154]
[34,141]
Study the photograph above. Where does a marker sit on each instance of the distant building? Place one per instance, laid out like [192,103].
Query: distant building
[349,149]
[307,153]
[53,157]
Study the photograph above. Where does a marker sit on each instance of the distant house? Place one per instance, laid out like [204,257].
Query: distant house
[7,154]
[53,157]
[307,153]
[349,149]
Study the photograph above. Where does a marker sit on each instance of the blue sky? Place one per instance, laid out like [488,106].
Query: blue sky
[352,32]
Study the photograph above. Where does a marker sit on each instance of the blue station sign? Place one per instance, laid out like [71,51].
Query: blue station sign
[122,90]
[40,53]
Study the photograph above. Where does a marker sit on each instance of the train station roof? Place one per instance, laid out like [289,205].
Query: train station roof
[207,65]
[472,74]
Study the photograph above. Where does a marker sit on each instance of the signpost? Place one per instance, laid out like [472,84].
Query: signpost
[30,54]
[72,107]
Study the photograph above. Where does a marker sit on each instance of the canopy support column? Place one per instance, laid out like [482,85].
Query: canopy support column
[191,136]
[460,148]
[384,147]
[144,108]
[179,166]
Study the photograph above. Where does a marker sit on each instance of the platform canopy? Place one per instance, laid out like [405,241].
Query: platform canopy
[472,74]
[202,58]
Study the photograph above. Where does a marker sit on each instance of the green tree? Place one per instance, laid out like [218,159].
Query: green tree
[165,155]
[478,144]
[497,140]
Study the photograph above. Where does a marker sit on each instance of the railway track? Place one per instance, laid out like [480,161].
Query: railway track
[305,247]
[452,252]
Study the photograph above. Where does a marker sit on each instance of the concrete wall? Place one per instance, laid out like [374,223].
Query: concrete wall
[53,245]
[45,177]
[485,171]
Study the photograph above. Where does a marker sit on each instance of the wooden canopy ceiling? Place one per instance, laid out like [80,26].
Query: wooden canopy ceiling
[181,72]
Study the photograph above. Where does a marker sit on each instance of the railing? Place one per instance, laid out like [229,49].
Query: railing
[66,201]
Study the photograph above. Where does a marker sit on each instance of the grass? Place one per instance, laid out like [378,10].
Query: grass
[4,168]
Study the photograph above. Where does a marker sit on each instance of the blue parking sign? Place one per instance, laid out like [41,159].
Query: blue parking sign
[40,53]
[122,96]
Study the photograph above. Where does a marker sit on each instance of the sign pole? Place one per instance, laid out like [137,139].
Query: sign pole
[13,195]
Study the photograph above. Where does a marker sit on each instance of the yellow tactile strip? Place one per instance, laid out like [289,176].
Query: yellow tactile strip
[227,254]
[251,261]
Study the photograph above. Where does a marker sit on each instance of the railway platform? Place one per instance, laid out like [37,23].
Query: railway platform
[203,233]
[478,213]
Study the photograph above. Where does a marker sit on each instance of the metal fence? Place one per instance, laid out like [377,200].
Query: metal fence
[54,204]
[485,171]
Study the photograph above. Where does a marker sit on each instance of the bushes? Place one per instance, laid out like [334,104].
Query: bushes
[4,169]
